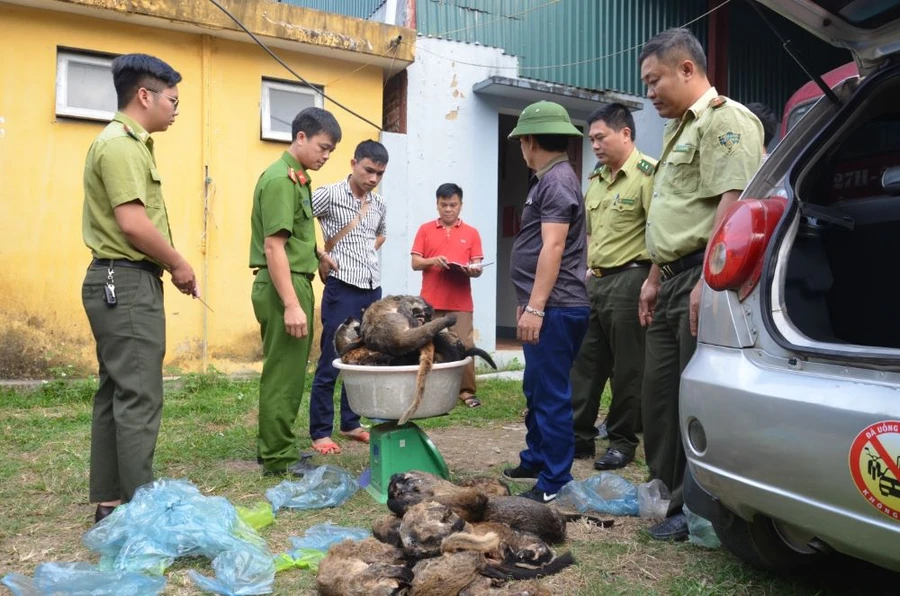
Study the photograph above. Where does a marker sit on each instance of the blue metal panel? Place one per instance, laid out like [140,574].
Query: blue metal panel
[360,9]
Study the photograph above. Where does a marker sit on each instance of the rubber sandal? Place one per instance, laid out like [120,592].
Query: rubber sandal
[357,434]
[472,402]
[326,447]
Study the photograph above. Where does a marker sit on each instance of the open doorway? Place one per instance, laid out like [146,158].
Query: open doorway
[512,190]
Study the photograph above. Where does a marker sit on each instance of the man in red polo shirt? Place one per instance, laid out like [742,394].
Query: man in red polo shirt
[448,252]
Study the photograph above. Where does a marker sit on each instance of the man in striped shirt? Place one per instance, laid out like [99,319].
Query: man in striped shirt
[353,225]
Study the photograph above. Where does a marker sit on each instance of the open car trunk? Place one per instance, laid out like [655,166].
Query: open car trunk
[842,280]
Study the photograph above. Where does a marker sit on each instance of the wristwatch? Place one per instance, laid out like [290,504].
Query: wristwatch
[534,311]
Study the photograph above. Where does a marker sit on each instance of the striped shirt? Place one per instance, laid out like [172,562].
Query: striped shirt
[335,206]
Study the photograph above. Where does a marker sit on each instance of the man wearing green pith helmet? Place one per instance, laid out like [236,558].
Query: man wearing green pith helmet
[549,258]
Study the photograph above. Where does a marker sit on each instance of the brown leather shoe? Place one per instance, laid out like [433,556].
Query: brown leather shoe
[103,512]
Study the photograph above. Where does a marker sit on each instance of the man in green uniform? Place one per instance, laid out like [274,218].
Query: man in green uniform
[617,201]
[712,146]
[284,257]
[126,227]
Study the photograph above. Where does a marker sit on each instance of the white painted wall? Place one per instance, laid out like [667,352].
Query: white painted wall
[452,138]
[649,129]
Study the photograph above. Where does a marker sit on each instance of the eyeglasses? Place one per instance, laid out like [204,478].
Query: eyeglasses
[174,100]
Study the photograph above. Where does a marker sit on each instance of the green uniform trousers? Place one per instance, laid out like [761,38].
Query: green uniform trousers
[131,344]
[612,350]
[285,359]
[669,347]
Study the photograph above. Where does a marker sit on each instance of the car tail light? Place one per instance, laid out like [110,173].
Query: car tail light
[735,253]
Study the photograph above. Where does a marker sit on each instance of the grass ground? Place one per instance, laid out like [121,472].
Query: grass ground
[208,437]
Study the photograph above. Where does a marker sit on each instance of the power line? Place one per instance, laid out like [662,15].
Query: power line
[500,18]
[565,64]
[289,69]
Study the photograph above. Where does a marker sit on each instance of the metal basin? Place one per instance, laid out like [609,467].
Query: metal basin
[385,392]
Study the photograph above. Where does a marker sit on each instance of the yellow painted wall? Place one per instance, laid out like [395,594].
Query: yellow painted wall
[42,256]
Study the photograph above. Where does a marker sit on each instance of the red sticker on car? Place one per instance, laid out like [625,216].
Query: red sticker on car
[875,466]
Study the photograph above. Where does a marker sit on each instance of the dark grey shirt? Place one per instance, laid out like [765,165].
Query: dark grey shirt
[554,197]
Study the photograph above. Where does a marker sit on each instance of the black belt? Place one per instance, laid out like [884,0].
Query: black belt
[606,271]
[142,265]
[309,276]
[670,270]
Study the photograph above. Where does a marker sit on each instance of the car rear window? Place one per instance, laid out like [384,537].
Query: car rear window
[867,14]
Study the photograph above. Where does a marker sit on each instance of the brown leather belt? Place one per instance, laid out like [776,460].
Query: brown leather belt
[142,265]
[309,276]
[670,270]
[606,271]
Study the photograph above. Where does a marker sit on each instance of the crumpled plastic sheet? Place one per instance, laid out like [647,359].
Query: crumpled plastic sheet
[239,572]
[80,579]
[323,536]
[700,530]
[257,517]
[301,558]
[172,518]
[604,493]
[313,546]
[653,499]
[326,486]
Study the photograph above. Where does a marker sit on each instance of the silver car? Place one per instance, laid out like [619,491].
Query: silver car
[790,408]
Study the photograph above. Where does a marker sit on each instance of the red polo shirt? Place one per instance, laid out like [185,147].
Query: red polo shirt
[441,288]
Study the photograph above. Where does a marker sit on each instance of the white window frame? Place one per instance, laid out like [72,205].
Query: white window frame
[63,59]
[265,113]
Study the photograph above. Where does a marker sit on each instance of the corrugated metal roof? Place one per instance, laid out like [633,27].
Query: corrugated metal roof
[595,43]
[360,9]
[561,41]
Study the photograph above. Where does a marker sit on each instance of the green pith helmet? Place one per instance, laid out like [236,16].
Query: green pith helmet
[544,118]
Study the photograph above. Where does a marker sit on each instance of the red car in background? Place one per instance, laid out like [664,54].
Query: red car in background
[808,94]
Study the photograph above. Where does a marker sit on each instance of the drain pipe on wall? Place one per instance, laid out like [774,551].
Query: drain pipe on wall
[207,183]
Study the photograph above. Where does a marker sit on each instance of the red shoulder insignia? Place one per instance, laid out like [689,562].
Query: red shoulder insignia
[717,102]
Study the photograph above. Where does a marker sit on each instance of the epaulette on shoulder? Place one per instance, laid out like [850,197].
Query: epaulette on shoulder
[717,102]
[595,173]
[647,167]
[130,132]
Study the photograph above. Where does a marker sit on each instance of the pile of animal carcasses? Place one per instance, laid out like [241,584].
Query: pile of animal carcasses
[449,540]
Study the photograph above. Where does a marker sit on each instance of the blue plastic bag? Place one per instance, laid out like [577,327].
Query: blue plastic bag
[239,572]
[172,518]
[326,486]
[323,536]
[604,493]
[701,532]
[71,579]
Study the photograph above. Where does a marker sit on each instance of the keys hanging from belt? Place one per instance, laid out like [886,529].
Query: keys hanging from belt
[109,290]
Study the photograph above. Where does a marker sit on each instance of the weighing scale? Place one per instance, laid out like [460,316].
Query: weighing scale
[382,394]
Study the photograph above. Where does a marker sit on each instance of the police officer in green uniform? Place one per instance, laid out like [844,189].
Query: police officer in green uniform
[712,146]
[617,201]
[126,227]
[284,257]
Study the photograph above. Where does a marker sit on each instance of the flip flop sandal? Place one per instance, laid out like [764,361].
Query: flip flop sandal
[472,402]
[328,447]
[357,435]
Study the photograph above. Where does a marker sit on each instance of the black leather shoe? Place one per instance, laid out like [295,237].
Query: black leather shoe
[613,459]
[103,511]
[674,528]
[299,469]
[520,474]
[585,452]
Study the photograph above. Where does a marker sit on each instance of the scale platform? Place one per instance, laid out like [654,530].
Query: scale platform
[394,449]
